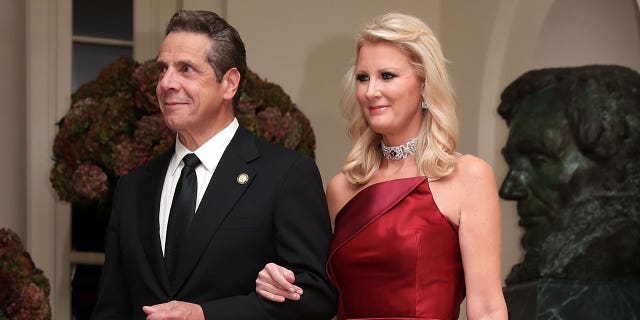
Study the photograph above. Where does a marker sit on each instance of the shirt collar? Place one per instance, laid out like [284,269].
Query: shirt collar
[209,153]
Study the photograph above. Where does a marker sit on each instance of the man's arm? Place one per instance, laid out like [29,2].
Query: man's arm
[113,297]
[302,236]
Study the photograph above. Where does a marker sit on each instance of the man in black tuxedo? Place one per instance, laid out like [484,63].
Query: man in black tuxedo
[248,201]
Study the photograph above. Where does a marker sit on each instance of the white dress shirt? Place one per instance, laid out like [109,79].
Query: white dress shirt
[209,154]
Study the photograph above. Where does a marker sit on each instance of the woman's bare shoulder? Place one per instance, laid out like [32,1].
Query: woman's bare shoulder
[470,168]
[476,181]
[471,176]
[339,192]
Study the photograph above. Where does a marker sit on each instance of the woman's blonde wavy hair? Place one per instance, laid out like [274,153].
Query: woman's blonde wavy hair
[438,134]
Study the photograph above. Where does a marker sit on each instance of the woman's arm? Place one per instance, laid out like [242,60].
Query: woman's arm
[480,239]
[275,283]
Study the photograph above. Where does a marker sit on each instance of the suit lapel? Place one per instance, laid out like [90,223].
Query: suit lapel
[225,188]
[150,188]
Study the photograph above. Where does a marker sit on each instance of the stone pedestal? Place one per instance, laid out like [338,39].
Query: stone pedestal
[573,299]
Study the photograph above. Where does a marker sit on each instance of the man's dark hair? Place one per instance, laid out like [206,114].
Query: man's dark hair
[227,50]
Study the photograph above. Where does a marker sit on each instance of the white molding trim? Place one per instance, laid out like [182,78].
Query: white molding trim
[48,33]
[150,18]
[102,41]
[217,6]
[87,257]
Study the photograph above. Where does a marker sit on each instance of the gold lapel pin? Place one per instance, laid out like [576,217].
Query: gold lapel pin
[242,178]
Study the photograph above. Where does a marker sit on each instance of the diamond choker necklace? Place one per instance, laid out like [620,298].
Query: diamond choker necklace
[399,152]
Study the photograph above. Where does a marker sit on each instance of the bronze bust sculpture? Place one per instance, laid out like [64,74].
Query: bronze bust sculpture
[574,169]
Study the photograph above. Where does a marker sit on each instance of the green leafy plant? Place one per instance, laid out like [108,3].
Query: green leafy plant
[114,125]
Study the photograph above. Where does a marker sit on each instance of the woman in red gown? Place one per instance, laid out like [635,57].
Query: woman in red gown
[416,225]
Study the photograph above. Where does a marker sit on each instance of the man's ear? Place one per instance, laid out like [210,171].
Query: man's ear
[230,82]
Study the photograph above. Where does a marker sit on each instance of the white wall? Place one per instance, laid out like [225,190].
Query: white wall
[13,117]
[465,33]
[580,32]
[306,47]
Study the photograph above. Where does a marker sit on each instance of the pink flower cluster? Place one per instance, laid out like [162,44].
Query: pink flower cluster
[268,112]
[114,125]
[24,290]
[90,181]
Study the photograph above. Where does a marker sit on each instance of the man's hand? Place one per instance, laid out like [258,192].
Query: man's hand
[174,310]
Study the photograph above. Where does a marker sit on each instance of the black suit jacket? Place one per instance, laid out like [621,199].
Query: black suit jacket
[279,215]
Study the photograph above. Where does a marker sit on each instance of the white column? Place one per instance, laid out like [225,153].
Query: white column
[48,240]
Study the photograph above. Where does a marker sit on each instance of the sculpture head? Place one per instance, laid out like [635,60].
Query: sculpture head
[574,138]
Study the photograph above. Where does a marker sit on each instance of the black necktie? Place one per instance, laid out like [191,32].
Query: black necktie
[182,211]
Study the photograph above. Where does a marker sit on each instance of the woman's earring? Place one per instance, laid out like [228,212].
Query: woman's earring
[423,104]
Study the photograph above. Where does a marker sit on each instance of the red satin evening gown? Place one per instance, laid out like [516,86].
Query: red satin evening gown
[395,256]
